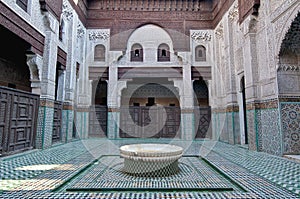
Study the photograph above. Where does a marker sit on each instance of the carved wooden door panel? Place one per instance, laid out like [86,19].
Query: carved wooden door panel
[57,122]
[98,121]
[5,104]
[18,120]
[140,117]
[202,121]
[172,124]
[129,121]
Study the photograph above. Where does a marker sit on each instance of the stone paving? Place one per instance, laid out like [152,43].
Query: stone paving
[89,169]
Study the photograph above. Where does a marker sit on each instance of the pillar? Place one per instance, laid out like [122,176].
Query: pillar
[186,103]
[47,92]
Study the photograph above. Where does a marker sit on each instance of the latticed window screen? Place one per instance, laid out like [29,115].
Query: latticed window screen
[23,4]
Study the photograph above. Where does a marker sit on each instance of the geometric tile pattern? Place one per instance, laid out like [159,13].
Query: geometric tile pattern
[251,128]
[222,124]
[67,125]
[227,126]
[283,172]
[82,124]
[268,131]
[44,127]
[25,167]
[290,121]
[236,128]
[107,174]
[187,130]
[260,174]
[113,121]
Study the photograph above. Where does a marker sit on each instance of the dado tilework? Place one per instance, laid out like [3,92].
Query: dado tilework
[44,127]
[252,128]
[269,137]
[223,127]
[67,126]
[187,126]
[290,121]
[81,124]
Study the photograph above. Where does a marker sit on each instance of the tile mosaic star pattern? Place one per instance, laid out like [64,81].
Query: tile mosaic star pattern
[290,115]
[260,174]
[268,131]
[107,174]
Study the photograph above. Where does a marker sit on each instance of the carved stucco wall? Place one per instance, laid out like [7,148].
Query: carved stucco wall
[267,31]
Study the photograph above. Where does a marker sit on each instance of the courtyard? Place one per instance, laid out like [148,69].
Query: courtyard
[92,168]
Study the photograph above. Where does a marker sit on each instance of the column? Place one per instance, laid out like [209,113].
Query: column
[46,108]
[113,104]
[70,77]
[186,103]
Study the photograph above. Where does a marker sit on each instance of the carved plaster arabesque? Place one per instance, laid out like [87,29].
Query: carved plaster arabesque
[99,35]
[49,21]
[289,68]
[200,36]
[67,10]
[234,13]
[219,31]
[80,31]
[282,18]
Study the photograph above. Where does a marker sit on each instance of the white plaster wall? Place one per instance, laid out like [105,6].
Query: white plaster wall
[102,37]
[206,39]
[150,37]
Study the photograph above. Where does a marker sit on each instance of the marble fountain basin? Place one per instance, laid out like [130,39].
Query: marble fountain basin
[151,159]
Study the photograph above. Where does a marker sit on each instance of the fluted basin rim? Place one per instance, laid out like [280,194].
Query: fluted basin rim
[151,150]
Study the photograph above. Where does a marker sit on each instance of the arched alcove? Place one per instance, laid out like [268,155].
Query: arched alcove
[163,53]
[200,53]
[99,52]
[136,53]
[288,76]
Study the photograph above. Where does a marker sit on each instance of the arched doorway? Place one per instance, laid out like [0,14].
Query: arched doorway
[150,109]
[288,76]
[202,110]
[98,114]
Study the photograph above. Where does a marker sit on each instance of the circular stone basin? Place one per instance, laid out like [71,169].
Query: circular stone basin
[151,159]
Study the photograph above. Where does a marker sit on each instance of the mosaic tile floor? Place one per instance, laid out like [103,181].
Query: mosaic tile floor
[106,174]
[90,169]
